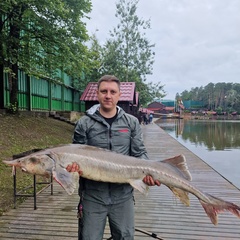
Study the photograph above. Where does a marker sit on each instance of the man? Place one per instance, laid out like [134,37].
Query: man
[106,125]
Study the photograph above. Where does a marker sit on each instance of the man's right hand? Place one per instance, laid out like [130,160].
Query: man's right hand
[74,168]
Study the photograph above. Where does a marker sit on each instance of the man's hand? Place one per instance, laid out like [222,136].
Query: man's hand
[74,168]
[150,181]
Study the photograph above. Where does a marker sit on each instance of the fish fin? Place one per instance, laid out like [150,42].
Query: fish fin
[140,186]
[66,179]
[181,195]
[217,205]
[181,164]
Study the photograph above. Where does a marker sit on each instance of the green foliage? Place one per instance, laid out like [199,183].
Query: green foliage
[43,37]
[40,37]
[128,53]
[219,96]
[91,71]
[156,90]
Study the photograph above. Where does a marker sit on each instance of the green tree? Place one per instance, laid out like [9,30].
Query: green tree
[149,91]
[177,96]
[93,64]
[129,47]
[95,58]
[220,96]
[128,54]
[40,37]
[209,96]
[236,87]
[156,90]
[232,98]
[185,95]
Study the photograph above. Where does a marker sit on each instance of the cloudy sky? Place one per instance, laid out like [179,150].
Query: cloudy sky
[197,41]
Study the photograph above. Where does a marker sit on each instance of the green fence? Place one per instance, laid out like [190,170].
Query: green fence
[38,94]
[190,104]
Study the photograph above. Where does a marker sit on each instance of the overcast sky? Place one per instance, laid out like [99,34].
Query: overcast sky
[197,41]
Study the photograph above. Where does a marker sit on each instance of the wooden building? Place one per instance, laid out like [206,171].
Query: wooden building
[157,107]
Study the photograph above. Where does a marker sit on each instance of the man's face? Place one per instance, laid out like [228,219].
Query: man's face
[108,95]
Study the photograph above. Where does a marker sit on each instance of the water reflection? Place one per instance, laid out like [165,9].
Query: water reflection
[216,142]
[215,135]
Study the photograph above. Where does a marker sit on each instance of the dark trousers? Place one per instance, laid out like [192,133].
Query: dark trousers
[120,217]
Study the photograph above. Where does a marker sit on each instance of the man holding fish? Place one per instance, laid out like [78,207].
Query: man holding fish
[106,125]
[107,177]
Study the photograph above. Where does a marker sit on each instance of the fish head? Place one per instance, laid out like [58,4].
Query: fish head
[34,164]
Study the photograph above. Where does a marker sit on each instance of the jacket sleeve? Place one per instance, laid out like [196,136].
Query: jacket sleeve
[137,144]
[79,135]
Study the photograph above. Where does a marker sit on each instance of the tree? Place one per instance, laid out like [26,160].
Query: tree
[232,98]
[40,37]
[185,95]
[128,54]
[134,50]
[149,91]
[156,90]
[92,71]
[221,96]
[129,48]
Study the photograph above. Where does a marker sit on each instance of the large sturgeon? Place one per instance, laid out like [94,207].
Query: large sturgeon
[103,165]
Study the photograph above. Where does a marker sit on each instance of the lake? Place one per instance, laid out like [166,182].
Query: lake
[215,142]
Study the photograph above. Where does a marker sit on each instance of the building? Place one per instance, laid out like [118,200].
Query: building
[158,107]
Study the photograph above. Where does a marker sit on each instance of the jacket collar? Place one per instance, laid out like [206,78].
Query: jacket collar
[94,111]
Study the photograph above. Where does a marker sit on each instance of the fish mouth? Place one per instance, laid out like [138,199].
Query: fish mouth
[12,163]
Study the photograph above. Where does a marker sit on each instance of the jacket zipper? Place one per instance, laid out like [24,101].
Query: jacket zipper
[110,138]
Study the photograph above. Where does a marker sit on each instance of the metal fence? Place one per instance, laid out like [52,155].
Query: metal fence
[39,94]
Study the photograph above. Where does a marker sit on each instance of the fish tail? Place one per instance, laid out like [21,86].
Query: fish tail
[217,205]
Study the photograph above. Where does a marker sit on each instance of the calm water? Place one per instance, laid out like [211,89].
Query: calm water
[215,142]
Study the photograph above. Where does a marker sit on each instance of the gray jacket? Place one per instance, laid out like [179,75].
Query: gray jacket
[124,136]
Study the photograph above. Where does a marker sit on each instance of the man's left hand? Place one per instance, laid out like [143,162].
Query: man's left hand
[150,181]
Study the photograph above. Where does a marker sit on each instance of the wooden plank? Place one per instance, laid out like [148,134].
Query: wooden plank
[172,220]
[160,212]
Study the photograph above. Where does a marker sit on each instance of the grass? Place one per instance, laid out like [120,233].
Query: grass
[23,133]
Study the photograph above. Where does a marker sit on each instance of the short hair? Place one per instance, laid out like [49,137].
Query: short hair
[108,78]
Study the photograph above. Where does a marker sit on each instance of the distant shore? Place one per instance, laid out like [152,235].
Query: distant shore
[189,116]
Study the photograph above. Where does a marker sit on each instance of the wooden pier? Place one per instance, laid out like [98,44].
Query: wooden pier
[159,213]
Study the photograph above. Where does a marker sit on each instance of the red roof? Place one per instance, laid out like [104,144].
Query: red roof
[154,109]
[169,108]
[127,92]
[159,109]
[89,93]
